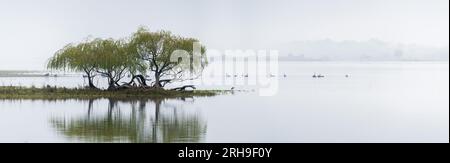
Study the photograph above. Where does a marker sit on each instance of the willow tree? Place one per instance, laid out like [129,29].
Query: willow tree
[114,61]
[80,57]
[169,57]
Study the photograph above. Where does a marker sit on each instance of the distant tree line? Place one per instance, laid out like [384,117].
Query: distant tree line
[149,59]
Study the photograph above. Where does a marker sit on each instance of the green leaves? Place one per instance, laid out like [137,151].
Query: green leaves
[144,52]
[158,50]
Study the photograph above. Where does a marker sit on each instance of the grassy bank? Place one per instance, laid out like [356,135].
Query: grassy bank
[66,93]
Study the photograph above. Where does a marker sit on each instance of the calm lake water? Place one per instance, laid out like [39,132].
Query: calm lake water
[379,102]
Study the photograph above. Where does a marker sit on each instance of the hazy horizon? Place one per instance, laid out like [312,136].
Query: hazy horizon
[31,32]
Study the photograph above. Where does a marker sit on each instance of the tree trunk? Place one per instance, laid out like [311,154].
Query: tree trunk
[91,83]
[157,81]
[90,78]
[141,80]
[112,84]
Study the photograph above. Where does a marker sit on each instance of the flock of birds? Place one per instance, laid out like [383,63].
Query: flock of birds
[318,76]
[323,76]
[246,76]
[284,75]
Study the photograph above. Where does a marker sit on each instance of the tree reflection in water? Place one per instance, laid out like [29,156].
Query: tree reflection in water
[141,123]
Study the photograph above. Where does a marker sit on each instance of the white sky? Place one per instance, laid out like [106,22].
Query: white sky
[31,31]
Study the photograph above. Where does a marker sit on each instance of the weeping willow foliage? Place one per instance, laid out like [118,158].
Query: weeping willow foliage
[143,53]
[73,57]
[76,57]
[112,60]
[157,48]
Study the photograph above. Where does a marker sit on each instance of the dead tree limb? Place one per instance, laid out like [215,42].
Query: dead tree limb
[183,88]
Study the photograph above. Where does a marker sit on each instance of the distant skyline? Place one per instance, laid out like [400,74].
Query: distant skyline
[370,50]
[31,31]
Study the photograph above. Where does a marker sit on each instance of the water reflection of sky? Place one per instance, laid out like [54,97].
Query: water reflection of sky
[380,102]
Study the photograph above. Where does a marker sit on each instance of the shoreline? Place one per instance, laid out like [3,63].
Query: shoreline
[55,93]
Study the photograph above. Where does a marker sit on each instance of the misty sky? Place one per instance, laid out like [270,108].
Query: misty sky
[31,31]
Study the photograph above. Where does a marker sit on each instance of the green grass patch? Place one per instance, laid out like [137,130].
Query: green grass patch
[11,92]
